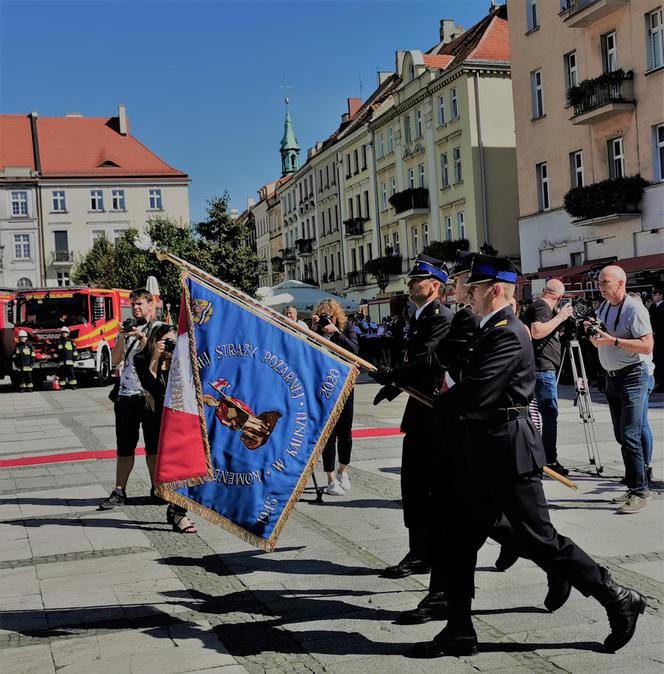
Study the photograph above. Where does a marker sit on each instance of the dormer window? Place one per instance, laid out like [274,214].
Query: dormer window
[411,72]
[109,163]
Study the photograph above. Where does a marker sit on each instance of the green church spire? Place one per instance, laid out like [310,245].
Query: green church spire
[290,150]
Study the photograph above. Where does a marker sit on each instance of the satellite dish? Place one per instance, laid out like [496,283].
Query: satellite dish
[152,285]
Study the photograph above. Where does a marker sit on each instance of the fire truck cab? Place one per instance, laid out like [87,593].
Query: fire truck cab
[93,316]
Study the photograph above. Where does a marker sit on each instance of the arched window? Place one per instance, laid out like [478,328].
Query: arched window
[411,71]
[24,283]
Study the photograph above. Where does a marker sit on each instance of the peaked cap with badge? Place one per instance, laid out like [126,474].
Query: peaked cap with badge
[487,268]
[429,267]
[462,263]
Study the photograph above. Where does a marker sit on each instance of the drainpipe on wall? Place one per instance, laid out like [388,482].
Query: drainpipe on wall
[485,214]
[379,235]
[40,204]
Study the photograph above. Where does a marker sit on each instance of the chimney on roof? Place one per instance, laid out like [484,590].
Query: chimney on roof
[34,114]
[354,105]
[122,120]
[382,76]
[449,30]
[251,202]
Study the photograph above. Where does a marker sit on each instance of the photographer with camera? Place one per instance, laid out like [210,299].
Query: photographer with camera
[330,321]
[153,364]
[129,397]
[544,317]
[624,339]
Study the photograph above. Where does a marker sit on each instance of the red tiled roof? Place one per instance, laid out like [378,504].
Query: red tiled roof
[80,146]
[439,61]
[494,44]
[15,142]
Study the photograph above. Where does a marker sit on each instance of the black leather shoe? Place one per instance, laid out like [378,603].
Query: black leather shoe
[558,468]
[406,567]
[623,614]
[558,594]
[432,607]
[450,641]
[506,558]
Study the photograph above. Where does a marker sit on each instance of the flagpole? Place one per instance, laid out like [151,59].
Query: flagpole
[144,243]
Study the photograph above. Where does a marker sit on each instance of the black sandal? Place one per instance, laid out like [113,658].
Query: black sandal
[190,529]
[170,514]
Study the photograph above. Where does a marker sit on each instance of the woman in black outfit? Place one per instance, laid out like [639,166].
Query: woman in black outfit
[330,321]
[152,364]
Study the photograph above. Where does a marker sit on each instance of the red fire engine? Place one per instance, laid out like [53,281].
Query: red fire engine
[93,316]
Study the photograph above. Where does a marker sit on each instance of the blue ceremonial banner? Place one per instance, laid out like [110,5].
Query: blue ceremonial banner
[249,407]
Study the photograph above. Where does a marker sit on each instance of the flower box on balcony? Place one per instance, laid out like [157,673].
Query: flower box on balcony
[411,199]
[606,198]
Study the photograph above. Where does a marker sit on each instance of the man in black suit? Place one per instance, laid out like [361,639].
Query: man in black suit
[430,324]
[505,457]
[656,310]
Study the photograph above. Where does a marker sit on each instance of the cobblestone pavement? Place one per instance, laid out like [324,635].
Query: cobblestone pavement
[90,591]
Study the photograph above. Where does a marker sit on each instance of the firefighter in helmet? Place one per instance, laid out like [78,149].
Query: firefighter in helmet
[67,355]
[24,359]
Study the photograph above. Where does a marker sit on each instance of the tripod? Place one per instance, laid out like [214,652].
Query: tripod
[583,400]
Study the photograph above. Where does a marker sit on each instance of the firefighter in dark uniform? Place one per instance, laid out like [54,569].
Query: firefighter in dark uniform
[428,326]
[67,356]
[24,360]
[505,457]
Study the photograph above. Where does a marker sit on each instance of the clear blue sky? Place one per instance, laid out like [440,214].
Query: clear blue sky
[202,80]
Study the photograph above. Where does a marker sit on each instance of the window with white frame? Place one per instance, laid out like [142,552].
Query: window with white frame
[616,158]
[411,178]
[98,234]
[380,146]
[454,103]
[386,241]
[456,157]
[118,234]
[155,200]
[425,234]
[537,91]
[369,254]
[421,173]
[655,39]
[531,14]
[63,278]
[441,110]
[118,200]
[576,168]
[24,283]
[390,140]
[408,136]
[658,153]
[448,228]
[393,186]
[356,161]
[413,242]
[383,196]
[19,204]
[22,248]
[418,124]
[395,242]
[542,171]
[445,170]
[610,52]
[96,200]
[571,71]
[349,173]
[59,205]
[461,225]
[358,202]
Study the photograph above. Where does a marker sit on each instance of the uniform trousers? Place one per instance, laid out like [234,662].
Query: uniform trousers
[25,379]
[522,500]
[66,374]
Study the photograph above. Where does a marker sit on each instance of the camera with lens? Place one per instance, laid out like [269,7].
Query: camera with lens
[129,324]
[169,345]
[595,326]
[324,320]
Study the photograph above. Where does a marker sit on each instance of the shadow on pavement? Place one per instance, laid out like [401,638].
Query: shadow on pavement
[35,522]
[258,561]
[52,501]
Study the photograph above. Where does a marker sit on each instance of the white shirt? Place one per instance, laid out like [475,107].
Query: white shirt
[422,308]
[483,322]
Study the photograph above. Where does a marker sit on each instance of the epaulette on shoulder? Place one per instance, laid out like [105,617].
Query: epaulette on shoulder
[500,324]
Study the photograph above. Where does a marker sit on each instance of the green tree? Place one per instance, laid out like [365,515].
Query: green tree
[233,259]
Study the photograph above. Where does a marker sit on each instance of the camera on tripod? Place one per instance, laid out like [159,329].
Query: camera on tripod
[575,327]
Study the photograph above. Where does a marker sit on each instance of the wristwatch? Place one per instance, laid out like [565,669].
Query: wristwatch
[616,342]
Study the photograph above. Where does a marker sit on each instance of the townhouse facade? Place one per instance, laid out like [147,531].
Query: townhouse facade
[90,179]
[588,85]
[429,156]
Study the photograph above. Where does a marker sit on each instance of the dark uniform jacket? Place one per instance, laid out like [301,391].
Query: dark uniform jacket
[24,356]
[67,352]
[499,373]
[424,336]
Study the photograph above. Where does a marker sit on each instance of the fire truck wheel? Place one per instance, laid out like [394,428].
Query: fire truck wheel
[104,374]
